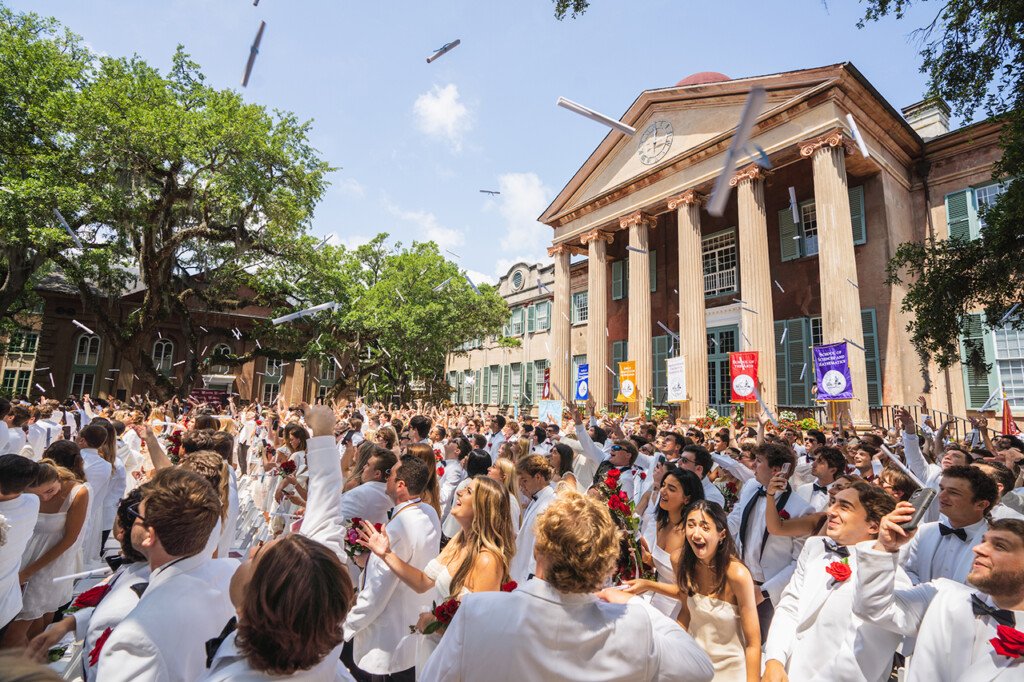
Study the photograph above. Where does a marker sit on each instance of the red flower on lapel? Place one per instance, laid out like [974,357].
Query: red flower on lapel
[509,586]
[440,471]
[94,655]
[1008,642]
[783,514]
[839,570]
[89,598]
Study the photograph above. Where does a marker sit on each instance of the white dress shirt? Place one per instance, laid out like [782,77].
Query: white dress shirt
[631,642]
[930,473]
[523,563]
[930,555]
[20,514]
[817,499]
[815,635]
[952,643]
[494,442]
[386,607]
[712,493]
[99,475]
[41,434]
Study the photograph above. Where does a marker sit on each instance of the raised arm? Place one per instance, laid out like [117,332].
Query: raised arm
[732,467]
[378,542]
[156,453]
[322,520]
[590,449]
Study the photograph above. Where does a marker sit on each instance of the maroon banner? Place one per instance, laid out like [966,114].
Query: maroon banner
[546,393]
[209,395]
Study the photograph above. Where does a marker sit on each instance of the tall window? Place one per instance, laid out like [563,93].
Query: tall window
[23,341]
[495,384]
[718,252]
[328,370]
[16,382]
[517,383]
[1009,347]
[163,355]
[721,342]
[809,224]
[580,307]
[516,323]
[986,196]
[220,352]
[538,371]
[272,380]
[87,353]
[543,316]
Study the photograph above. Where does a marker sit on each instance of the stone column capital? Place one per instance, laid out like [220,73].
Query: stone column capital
[751,172]
[831,139]
[559,249]
[690,197]
[596,235]
[637,218]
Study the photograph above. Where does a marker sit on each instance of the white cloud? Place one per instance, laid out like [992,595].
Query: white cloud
[523,197]
[440,113]
[503,265]
[352,241]
[480,278]
[351,187]
[428,227]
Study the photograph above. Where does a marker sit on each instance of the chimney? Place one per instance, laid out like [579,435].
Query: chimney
[929,117]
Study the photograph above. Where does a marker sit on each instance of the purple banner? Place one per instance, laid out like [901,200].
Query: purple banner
[832,371]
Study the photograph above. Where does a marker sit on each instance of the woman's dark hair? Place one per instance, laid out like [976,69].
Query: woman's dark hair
[599,434]
[127,519]
[477,463]
[292,612]
[17,473]
[724,554]
[542,433]
[565,457]
[67,454]
[692,488]
[299,432]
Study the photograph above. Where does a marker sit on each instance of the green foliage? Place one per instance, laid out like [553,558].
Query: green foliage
[574,8]
[973,53]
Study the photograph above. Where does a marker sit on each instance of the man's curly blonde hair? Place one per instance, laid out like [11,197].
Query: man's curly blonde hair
[579,541]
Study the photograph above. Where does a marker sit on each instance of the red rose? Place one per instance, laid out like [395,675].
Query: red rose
[614,473]
[437,455]
[509,586]
[357,522]
[643,475]
[1009,642]
[445,611]
[611,482]
[90,597]
[783,514]
[378,526]
[440,471]
[839,571]
[288,467]
[94,655]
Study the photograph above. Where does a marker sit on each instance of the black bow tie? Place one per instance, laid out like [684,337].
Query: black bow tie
[831,546]
[139,588]
[761,492]
[945,530]
[391,512]
[115,561]
[1001,616]
[213,644]
[820,488]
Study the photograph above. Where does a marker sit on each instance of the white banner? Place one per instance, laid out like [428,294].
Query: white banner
[676,377]
[550,411]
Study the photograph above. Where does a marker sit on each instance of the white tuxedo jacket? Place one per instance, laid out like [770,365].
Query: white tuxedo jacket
[952,643]
[163,639]
[367,501]
[815,635]
[779,554]
[112,609]
[601,642]
[920,557]
[523,563]
[386,606]
[930,473]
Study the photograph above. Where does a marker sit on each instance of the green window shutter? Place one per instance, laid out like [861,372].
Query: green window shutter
[487,386]
[618,355]
[659,348]
[978,385]
[962,216]
[547,315]
[652,264]
[872,363]
[788,233]
[797,341]
[781,364]
[618,280]
[531,319]
[860,233]
[530,382]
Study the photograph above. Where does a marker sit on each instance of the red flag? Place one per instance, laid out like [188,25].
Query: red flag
[546,391]
[743,370]
[1009,426]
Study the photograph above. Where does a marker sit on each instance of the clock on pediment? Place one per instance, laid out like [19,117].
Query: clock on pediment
[655,143]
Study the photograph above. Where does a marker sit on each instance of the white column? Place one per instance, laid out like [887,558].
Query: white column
[692,324]
[597,322]
[640,349]
[561,352]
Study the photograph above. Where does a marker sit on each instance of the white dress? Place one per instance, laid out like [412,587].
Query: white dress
[425,644]
[42,595]
[666,574]
[715,626]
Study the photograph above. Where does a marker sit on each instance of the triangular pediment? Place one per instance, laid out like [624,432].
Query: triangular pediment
[696,115]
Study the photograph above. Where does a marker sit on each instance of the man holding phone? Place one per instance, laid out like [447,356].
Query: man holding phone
[965,633]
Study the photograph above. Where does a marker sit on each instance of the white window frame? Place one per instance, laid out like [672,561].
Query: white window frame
[219,350]
[580,307]
[1009,363]
[163,355]
[715,248]
[87,355]
[809,235]
[985,196]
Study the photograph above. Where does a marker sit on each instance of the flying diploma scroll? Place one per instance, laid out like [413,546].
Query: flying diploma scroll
[253,51]
[67,227]
[594,116]
[720,193]
[304,313]
[444,49]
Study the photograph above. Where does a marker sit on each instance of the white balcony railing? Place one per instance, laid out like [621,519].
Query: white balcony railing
[719,282]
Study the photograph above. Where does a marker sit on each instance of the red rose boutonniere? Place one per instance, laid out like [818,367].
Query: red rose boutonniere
[643,475]
[438,455]
[784,514]
[440,472]
[94,655]
[839,570]
[89,598]
[1009,642]
[509,586]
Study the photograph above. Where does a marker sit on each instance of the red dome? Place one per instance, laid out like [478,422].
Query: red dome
[702,78]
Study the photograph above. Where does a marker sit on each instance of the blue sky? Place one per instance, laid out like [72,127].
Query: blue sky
[417,142]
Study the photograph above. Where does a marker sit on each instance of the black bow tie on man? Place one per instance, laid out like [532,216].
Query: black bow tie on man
[945,530]
[213,644]
[1001,616]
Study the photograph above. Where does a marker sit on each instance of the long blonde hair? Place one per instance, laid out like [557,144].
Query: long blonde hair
[491,530]
[211,466]
[508,472]
[432,493]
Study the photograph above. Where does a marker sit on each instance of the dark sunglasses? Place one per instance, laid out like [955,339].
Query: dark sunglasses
[133,511]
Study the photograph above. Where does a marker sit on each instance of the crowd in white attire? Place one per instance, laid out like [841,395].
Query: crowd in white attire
[770,555]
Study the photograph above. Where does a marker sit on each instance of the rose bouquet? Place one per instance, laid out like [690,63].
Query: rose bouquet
[352,546]
[445,611]
[630,564]
[287,468]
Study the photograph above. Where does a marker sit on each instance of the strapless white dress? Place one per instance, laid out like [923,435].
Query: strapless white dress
[663,564]
[715,626]
[418,645]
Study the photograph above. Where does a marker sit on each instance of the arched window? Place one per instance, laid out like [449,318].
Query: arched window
[222,350]
[87,353]
[272,379]
[163,355]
